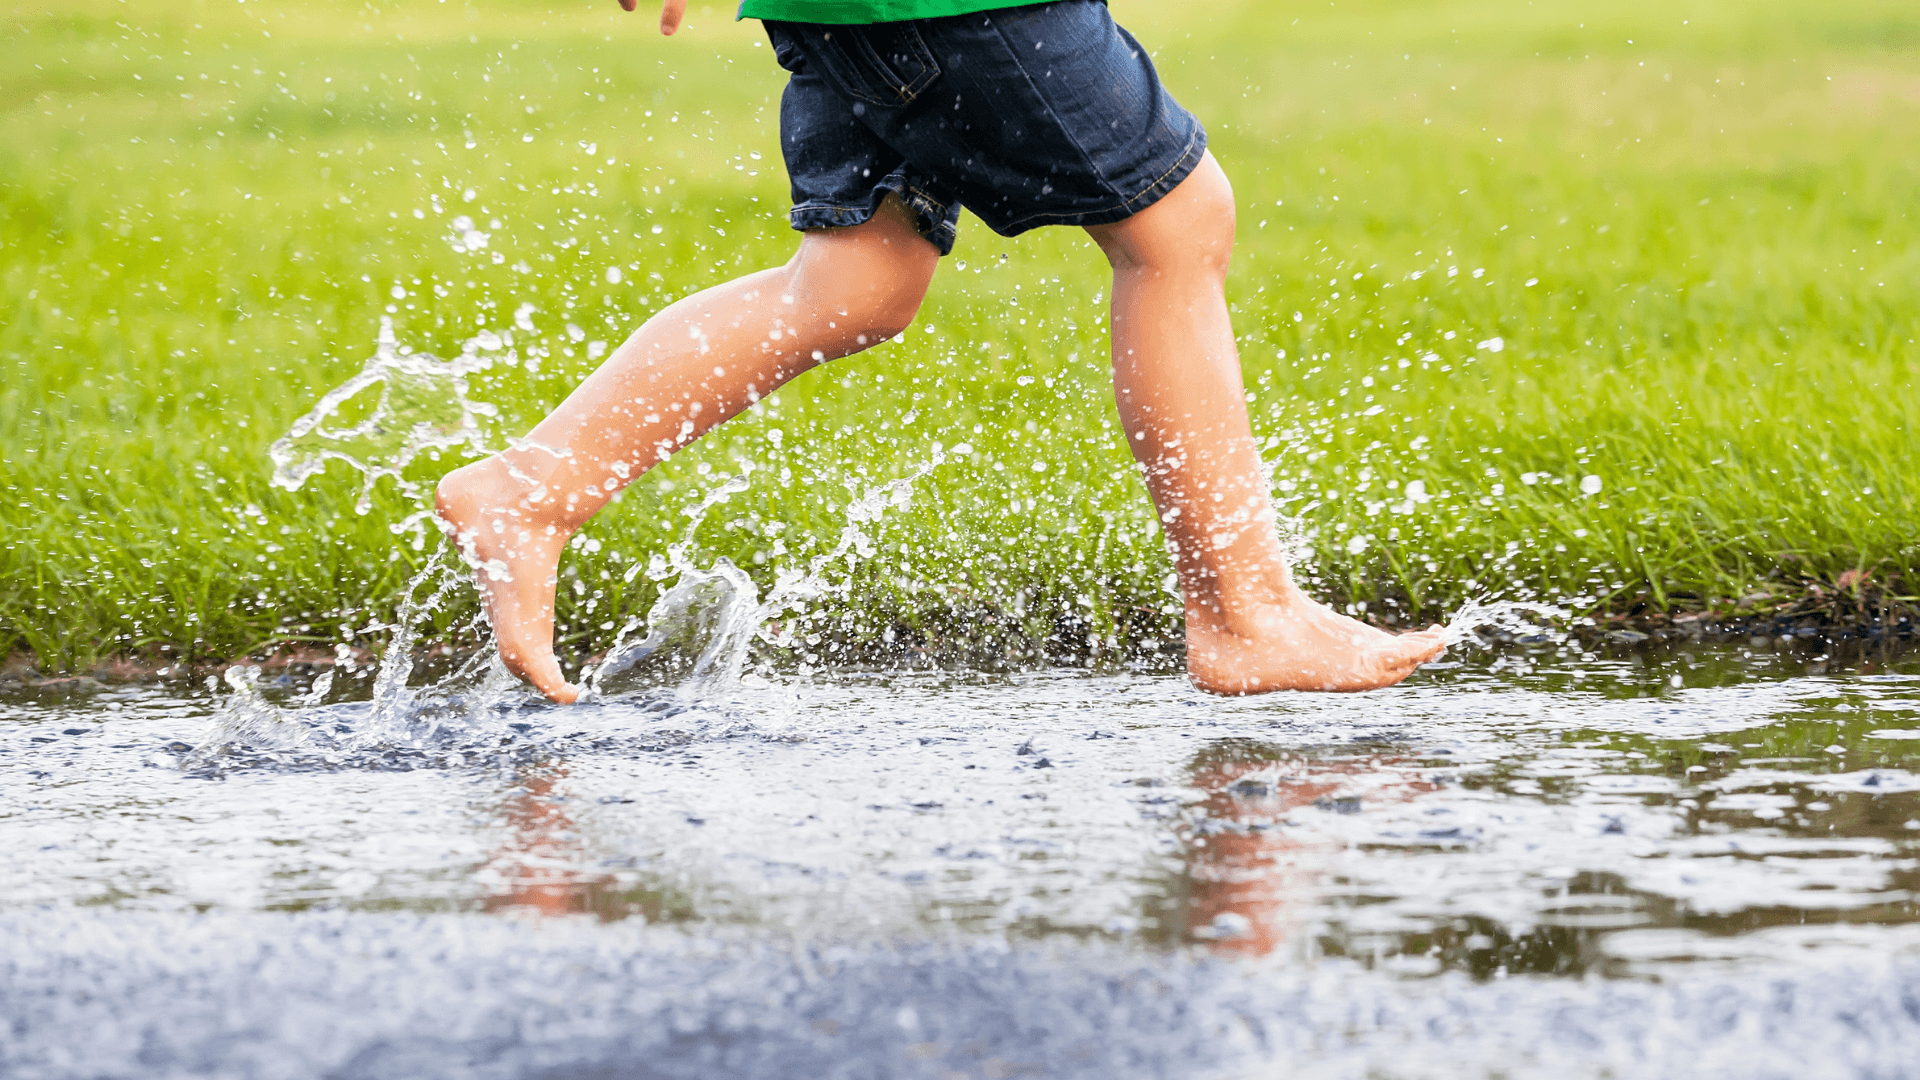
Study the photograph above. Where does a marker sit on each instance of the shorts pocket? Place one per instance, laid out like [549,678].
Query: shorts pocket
[887,64]
[786,47]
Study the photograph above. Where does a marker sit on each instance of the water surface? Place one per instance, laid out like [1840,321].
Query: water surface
[1699,862]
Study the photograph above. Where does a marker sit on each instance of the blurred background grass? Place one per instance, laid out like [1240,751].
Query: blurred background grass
[1488,250]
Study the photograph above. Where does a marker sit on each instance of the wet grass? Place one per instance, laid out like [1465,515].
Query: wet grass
[1485,251]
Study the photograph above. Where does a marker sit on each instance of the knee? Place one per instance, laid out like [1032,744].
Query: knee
[893,303]
[868,292]
[881,304]
[1189,230]
[1211,232]
[867,279]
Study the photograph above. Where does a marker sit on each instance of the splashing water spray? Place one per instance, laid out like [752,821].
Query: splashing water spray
[423,405]
[714,614]
[702,628]
[397,714]
[1521,619]
[719,610]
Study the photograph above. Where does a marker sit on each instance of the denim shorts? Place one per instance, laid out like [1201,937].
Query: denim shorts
[1048,114]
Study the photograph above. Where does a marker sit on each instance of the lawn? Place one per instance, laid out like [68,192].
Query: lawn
[1612,308]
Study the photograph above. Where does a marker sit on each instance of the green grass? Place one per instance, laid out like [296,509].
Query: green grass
[1689,223]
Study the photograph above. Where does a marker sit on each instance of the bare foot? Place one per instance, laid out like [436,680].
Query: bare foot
[514,554]
[1297,644]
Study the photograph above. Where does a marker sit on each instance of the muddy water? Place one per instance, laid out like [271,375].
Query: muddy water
[1696,863]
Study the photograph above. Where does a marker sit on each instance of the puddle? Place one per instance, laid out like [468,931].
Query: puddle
[1514,857]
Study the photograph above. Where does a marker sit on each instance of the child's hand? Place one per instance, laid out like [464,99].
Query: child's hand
[671,12]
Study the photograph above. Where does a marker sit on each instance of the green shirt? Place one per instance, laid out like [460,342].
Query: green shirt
[866,11]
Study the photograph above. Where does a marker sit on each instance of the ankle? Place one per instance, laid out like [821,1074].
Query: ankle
[1243,608]
[495,488]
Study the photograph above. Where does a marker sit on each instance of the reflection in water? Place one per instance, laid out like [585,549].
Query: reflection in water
[1250,877]
[538,870]
[1261,870]
[1523,813]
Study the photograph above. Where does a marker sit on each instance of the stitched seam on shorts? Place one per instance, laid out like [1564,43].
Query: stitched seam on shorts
[855,92]
[945,207]
[864,54]
[931,72]
[929,66]
[1174,168]
[940,225]
[1124,207]
[828,206]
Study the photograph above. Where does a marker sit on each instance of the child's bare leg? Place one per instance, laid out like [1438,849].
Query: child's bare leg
[1177,381]
[696,363]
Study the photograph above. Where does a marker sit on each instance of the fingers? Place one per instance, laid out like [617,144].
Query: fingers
[671,12]
[629,5]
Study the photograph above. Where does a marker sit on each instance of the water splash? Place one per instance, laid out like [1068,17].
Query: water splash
[245,717]
[708,614]
[404,714]
[699,635]
[1523,620]
[422,406]
[1519,618]
[1288,500]
[398,714]
[705,624]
